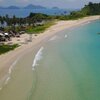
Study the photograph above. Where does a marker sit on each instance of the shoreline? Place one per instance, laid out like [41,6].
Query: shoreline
[7,60]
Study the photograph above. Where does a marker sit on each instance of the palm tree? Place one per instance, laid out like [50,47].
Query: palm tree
[14,20]
[2,21]
[8,20]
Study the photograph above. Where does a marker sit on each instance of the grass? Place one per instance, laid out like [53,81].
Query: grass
[39,29]
[7,48]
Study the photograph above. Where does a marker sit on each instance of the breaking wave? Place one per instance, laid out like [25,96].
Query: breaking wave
[7,77]
[66,36]
[10,69]
[53,38]
[38,57]
[7,80]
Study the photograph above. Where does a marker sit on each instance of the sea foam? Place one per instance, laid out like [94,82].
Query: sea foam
[38,57]
[7,80]
[13,64]
[66,36]
[53,38]
[86,23]
[10,70]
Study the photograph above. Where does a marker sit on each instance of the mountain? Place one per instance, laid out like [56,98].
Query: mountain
[34,7]
[55,8]
[27,7]
[12,7]
[1,7]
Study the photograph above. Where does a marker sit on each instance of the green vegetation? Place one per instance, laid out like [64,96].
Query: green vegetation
[21,24]
[89,10]
[40,28]
[6,48]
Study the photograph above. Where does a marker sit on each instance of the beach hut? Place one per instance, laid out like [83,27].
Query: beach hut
[7,36]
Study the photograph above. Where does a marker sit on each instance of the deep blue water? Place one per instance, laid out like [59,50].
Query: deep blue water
[26,12]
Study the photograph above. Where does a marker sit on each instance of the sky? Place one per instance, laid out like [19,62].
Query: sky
[72,4]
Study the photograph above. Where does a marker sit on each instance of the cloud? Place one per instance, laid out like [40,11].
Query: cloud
[22,2]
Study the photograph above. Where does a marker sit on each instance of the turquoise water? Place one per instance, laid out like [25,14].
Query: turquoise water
[70,68]
[67,68]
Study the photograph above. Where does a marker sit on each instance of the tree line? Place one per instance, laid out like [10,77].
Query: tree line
[30,20]
[88,10]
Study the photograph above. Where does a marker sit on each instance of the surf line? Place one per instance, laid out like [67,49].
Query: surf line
[7,80]
[38,57]
[7,77]
[52,38]
[13,64]
[10,70]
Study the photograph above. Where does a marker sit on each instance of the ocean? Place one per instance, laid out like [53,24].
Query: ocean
[66,67]
[26,12]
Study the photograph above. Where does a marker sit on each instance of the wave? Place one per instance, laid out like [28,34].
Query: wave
[53,38]
[85,23]
[7,77]
[7,80]
[66,36]
[10,69]
[38,57]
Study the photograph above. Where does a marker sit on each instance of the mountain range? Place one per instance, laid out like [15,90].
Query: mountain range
[31,6]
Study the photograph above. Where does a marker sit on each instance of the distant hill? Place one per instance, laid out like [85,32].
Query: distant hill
[31,6]
[55,8]
[34,7]
[88,10]
[12,7]
[27,7]
[91,9]
[1,7]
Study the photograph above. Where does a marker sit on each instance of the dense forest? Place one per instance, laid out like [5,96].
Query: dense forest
[91,9]
[87,10]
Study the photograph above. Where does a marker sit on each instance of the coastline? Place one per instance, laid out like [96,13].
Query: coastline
[8,59]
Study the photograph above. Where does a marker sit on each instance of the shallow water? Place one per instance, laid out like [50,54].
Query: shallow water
[69,68]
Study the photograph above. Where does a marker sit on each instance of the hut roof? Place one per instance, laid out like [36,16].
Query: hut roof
[6,33]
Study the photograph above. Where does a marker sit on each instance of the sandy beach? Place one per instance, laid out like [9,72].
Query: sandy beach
[6,60]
